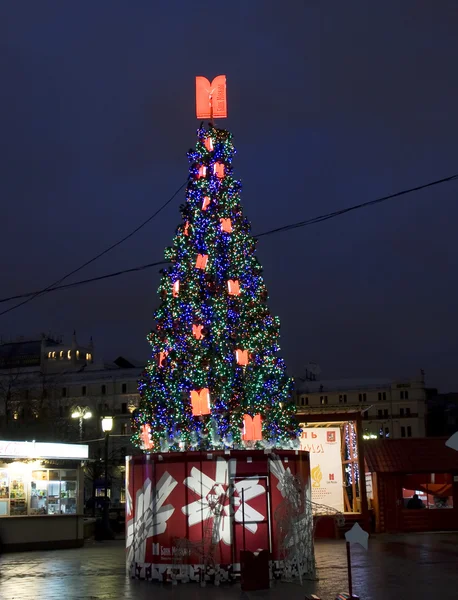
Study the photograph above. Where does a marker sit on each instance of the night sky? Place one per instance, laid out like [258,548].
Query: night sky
[331,104]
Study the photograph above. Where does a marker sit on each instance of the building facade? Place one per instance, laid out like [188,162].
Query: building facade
[391,409]
[51,391]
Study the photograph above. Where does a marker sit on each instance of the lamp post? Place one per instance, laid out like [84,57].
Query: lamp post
[81,412]
[107,426]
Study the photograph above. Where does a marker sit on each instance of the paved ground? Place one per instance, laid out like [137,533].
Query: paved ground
[415,566]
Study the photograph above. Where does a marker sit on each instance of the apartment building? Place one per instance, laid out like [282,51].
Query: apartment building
[391,409]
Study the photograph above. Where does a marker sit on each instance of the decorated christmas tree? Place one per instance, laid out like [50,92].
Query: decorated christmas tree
[214,380]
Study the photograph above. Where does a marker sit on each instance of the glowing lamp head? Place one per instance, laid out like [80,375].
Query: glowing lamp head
[76,414]
[87,415]
[107,424]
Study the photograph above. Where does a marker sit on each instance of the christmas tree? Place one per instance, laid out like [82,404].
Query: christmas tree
[214,380]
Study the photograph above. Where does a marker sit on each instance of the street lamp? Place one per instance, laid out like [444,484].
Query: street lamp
[107,426]
[81,412]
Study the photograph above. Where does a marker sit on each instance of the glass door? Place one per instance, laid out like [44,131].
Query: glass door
[4,492]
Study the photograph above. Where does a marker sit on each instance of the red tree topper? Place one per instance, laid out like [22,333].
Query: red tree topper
[200,402]
[226,225]
[233,287]
[211,100]
[146,436]
[197,331]
[252,428]
[242,357]
[201,261]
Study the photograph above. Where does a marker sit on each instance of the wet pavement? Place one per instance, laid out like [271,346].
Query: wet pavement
[422,566]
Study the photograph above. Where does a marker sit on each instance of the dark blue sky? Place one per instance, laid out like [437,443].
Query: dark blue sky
[331,104]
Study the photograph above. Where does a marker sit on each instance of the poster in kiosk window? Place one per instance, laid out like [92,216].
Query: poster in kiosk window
[324,444]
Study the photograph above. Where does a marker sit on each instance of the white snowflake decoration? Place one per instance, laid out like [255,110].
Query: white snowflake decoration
[150,516]
[218,498]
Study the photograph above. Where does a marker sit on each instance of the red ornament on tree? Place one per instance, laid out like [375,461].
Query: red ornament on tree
[161,358]
[197,331]
[202,172]
[242,357]
[226,225]
[200,401]
[146,436]
[218,170]
[209,144]
[201,261]
[176,288]
[233,287]
[252,428]
[206,203]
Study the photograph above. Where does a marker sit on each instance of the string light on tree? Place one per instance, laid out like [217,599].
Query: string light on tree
[215,379]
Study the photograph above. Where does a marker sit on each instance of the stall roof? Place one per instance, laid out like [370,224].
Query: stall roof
[417,455]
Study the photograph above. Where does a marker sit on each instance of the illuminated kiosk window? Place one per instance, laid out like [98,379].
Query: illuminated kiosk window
[52,491]
[334,464]
[29,488]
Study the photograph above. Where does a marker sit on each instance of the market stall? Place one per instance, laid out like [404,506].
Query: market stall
[39,481]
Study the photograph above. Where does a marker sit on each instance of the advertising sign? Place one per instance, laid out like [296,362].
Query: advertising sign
[43,450]
[323,443]
[192,507]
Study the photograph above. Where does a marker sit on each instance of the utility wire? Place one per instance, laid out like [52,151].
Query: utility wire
[342,211]
[45,290]
[311,221]
[91,280]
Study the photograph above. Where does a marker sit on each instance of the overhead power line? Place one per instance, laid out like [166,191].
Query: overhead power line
[47,289]
[91,280]
[298,224]
[343,211]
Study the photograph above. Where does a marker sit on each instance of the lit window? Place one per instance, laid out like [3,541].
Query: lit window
[61,354]
[69,354]
[77,355]
[88,356]
[427,491]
